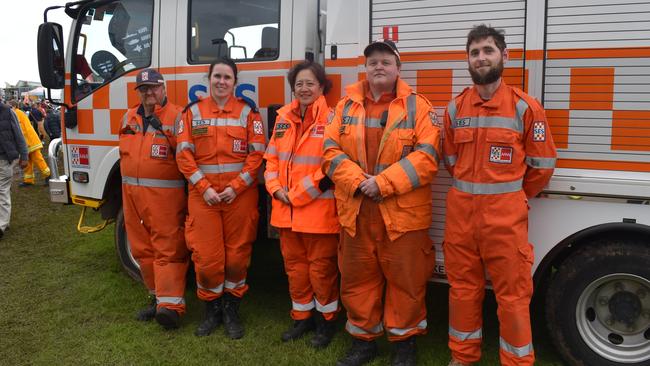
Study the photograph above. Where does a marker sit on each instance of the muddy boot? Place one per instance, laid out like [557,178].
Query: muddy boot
[231,322]
[168,318]
[324,331]
[149,312]
[359,354]
[404,352]
[213,318]
[299,329]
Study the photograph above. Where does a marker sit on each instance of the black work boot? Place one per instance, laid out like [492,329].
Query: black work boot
[404,352]
[149,312]
[360,353]
[231,322]
[213,318]
[168,318]
[299,329]
[324,331]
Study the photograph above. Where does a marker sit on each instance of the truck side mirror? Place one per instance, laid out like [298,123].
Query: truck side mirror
[51,63]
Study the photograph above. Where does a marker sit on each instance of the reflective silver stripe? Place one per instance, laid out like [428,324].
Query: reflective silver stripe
[271,175]
[514,124]
[284,155]
[185,146]
[170,300]
[196,112]
[353,329]
[307,160]
[542,163]
[463,336]
[228,122]
[246,177]
[243,116]
[429,149]
[336,162]
[124,120]
[521,108]
[450,160]
[271,150]
[155,183]
[451,110]
[256,146]
[487,188]
[402,331]
[194,178]
[309,187]
[380,168]
[345,118]
[329,194]
[221,168]
[234,285]
[374,123]
[409,169]
[216,290]
[329,143]
[328,308]
[302,307]
[522,351]
[411,109]
[151,129]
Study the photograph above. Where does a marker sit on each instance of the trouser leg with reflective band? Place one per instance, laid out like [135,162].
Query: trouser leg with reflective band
[494,239]
[138,234]
[35,158]
[310,263]
[240,220]
[370,265]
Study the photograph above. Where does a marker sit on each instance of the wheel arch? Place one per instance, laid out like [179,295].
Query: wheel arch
[112,193]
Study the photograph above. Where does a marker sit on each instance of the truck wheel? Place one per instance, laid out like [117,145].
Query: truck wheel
[598,304]
[123,249]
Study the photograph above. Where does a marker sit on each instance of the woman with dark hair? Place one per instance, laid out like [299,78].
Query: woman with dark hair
[220,147]
[303,208]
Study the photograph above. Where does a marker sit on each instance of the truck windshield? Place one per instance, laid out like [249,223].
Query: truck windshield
[110,40]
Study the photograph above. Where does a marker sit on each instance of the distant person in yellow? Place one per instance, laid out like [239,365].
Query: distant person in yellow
[34,146]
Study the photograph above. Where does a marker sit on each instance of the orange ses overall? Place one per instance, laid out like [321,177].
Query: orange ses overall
[154,202]
[500,153]
[219,148]
[309,226]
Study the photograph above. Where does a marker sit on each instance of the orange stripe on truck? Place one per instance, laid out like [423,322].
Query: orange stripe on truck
[631,130]
[558,120]
[604,165]
[592,88]
[93,142]
[271,90]
[436,85]
[101,97]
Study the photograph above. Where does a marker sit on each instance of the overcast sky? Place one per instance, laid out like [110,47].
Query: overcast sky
[20,21]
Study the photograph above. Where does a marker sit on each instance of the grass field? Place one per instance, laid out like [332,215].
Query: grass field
[65,301]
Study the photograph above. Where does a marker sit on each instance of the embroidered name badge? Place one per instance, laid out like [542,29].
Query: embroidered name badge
[159,151]
[200,127]
[280,129]
[346,120]
[501,154]
[462,122]
[539,131]
[407,149]
[317,131]
[239,146]
[258,128]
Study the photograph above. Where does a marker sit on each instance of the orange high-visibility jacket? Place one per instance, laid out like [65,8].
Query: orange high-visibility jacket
[293,161]
[146,157]
[498,146]
[406,163]
[31,137]
[220,147]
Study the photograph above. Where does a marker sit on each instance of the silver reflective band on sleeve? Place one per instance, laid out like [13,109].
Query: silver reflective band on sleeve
[373,123]
[309,187]
[542,163]
[185,146]
[487,188]
[335,163]
[345,118]
[403,331]
[284,155]
[522,351]
[429,149]
[170,300]
[329,194]
[246,177]
[463,336]
[353,329]
[271,175]
[271,150]
[154,183]
[521,108]
[234,285]
[216,290]
[307,160]
[450,160]
[243,116]
[256,146]
[328,308]
[197,176]
[221,168]
[196,112]
[329,143]
[451,110]
[411,109]
[302,307]
[409,169]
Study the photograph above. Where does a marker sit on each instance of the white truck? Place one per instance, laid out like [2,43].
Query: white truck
[588,61]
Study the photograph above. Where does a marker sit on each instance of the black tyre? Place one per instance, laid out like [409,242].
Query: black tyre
[598,304]
[129,264]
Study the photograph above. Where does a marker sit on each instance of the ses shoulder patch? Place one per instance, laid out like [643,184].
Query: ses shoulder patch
[258,128]
[539,131]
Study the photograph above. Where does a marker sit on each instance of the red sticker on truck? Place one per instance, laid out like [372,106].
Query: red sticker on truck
[80,156]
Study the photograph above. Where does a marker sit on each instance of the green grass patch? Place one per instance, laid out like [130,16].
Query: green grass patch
[66,301]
